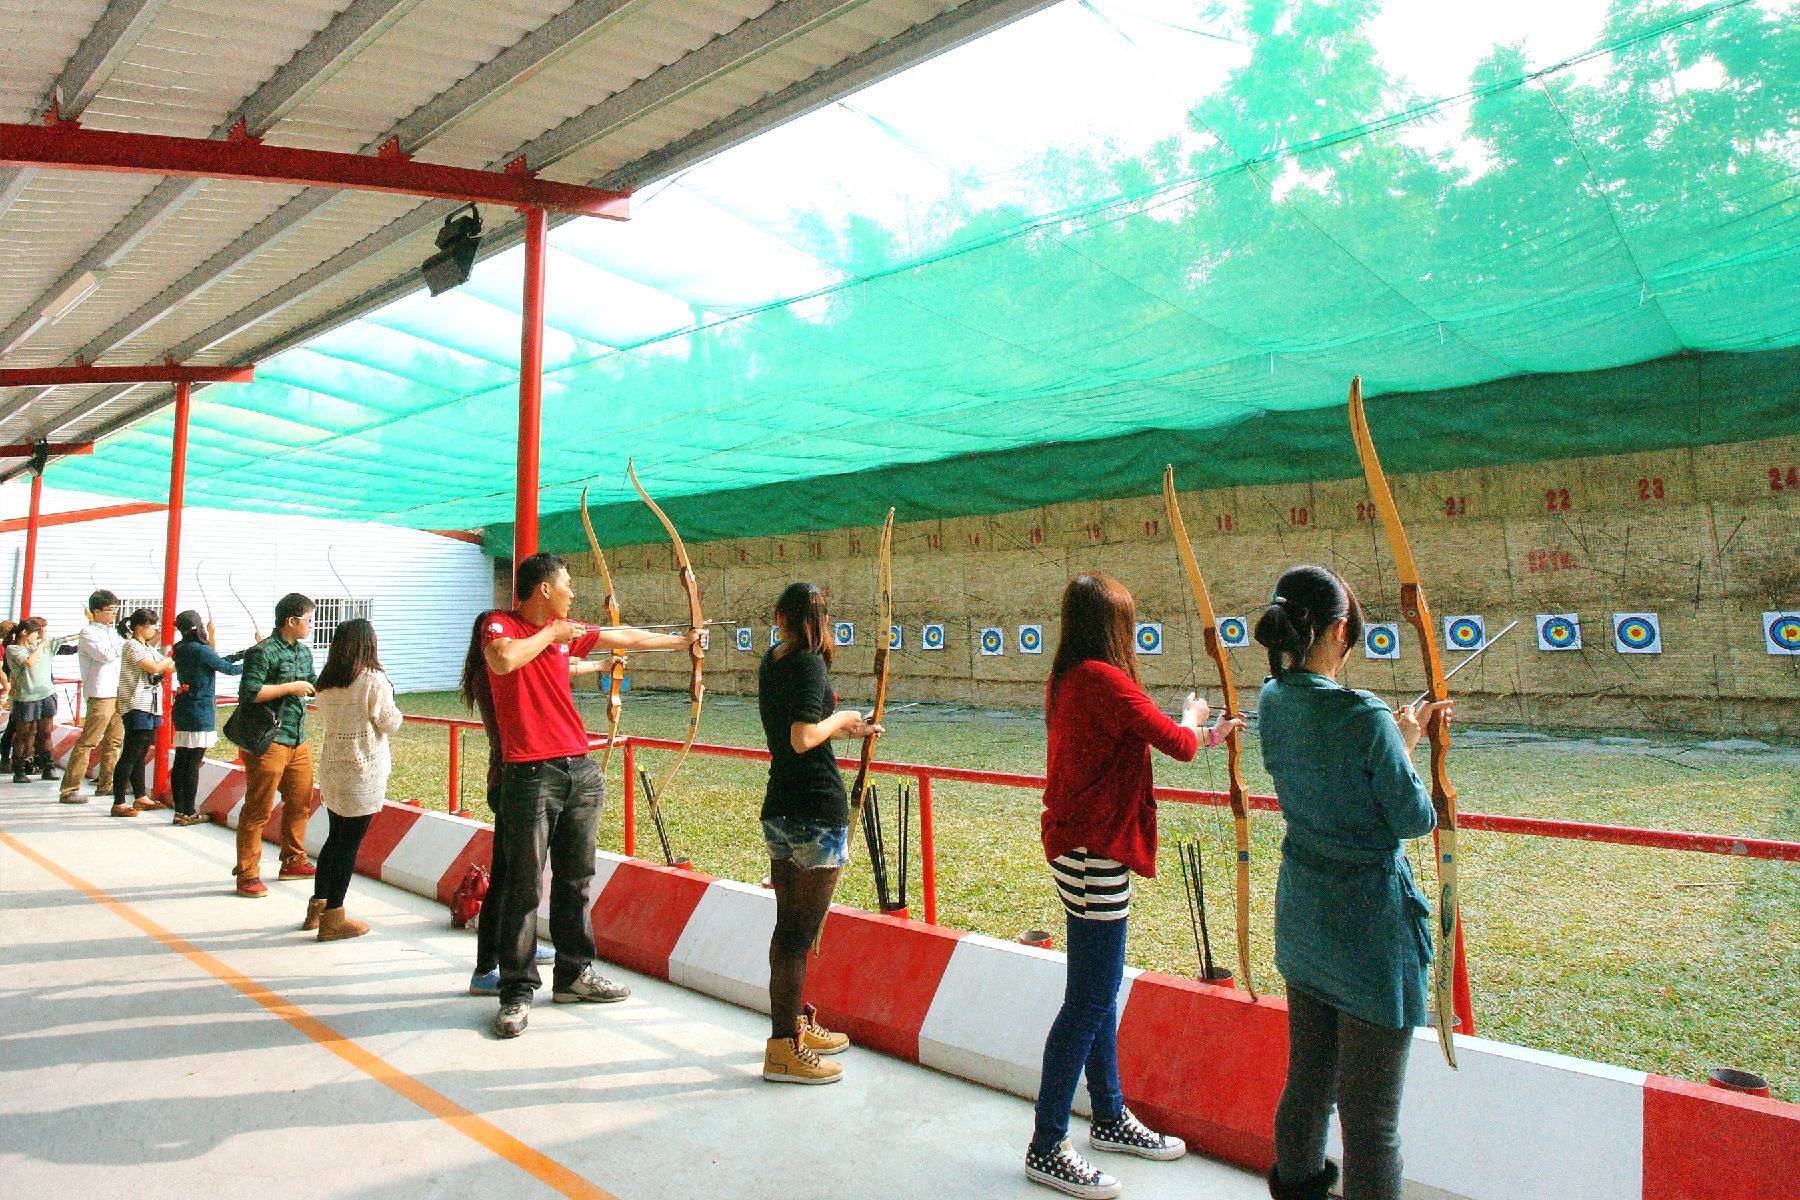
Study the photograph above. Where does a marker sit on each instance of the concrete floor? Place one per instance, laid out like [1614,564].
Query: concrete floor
[131,1068]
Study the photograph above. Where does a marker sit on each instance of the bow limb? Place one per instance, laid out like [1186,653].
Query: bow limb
[696,621]
[615,704]
[1215,649]
[1417,610]
[212,638]
[231,584]
[884,575]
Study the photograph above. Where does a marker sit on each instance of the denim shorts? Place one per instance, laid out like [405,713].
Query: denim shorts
[34,710]
[812,845]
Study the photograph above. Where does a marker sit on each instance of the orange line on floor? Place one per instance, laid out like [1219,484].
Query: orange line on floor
[533,1162]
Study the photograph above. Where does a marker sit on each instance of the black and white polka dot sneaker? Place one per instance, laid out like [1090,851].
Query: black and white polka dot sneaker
[1128,1135]
[1068,1172]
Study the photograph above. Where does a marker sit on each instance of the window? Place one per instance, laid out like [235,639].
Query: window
[130,604]
[329,613]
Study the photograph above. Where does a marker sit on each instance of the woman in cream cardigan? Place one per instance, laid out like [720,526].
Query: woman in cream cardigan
[356,703]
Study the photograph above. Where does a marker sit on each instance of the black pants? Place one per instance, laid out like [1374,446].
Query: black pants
[552,809]
[184,777]
[487,921]
[1337,1059]
[337,858]
[130,770]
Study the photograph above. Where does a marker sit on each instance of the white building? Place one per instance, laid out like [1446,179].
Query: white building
[422,590]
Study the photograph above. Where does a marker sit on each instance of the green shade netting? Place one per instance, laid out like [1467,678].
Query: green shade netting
[1110,225]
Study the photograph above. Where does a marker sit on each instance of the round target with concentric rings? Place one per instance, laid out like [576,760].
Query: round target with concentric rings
[894,637]
[1149,638]
[1636,632]
[1233,632]
[843,633]
[1560,633]
[1784,632]
[1464,633]
[1381,641]
[744,638]
[991,641]
[932,638]
[1031,639]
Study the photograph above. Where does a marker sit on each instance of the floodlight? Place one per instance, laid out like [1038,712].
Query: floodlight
[457,243]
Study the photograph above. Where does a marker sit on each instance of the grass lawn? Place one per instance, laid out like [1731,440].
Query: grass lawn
[1660,960]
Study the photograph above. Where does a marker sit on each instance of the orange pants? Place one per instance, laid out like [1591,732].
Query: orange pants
[289,770]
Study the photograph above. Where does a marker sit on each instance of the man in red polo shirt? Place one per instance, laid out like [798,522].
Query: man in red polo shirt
[550,791]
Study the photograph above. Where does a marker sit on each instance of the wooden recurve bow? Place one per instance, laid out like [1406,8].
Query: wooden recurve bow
[1215,649]
[615,704]
[1417,610]
[684,569]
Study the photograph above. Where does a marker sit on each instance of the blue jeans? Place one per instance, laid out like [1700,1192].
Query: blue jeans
[1085,1033]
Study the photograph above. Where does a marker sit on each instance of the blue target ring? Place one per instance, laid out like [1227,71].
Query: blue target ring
[1466,633]
[990,641]
[1149,638]
[895,638]
[1784,631]
[1232,631]
[1031,639]
[933,637]
[1560,633]
[744,637]
[1637,632]
[1381,640]
[843,633]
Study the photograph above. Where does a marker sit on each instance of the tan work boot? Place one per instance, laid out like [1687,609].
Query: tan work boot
[315,908]
[816,1037]
[786,1060]
[334,926]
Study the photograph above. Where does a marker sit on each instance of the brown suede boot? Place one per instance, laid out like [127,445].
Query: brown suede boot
[335,926]
[315,908]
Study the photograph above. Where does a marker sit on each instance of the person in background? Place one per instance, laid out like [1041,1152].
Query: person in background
[478,697]
[550,790]
[6,739]
[278,671]
[1352,931]
[141,670]
[197,668]
[103,725]
[805,824]
[356,706]
[1098,828]
[28,655]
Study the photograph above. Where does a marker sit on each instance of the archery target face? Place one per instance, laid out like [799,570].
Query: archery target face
[895,639]
[1233,632]
[931,637]
[774,636]
[993,641]
[1031,639]
[1465,632]
[843,633]
[1781,632]
[1382,640]
[1559,631]
[1149,637]
[746,640]
[1637,633]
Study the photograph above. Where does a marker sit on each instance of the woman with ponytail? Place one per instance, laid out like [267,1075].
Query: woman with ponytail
[1099,826]
[1352,934]
[197,668]
[141,670]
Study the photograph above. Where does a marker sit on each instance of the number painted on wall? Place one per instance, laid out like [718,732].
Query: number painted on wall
[1152,527]
[1456,506]
[1650,487]
[1784,481]
[1299,515]
[1556,499]
[1365,510]
[1036,536]
[1224,523]
[1540,562]
[1094,532]
[934,541]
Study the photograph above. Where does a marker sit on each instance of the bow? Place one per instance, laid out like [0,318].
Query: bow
[697,622]
[616,672]
[212,637]
[231,583]
[344,587]
[1417,611]
[1215,649]
[884,575]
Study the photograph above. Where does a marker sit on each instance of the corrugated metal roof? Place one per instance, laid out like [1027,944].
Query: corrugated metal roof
[220,271]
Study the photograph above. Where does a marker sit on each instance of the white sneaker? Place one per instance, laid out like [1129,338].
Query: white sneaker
[1128,1135]
[1069,1173]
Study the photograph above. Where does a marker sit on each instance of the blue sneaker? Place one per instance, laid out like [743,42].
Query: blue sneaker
[485,985]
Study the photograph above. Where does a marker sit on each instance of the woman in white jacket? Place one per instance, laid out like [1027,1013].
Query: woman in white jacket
[356,703]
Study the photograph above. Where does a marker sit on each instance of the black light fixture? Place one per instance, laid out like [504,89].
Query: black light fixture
[457,243]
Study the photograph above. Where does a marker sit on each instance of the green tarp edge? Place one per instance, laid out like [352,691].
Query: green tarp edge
[1685,400]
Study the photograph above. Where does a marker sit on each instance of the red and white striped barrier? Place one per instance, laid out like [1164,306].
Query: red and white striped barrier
[1202,1062]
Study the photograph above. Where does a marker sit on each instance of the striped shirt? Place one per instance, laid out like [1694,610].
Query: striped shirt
[1092,887]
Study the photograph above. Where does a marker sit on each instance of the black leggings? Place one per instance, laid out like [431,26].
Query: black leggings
[1336,1060]
[337,858]
[802,898]
[184,777]
[131,764]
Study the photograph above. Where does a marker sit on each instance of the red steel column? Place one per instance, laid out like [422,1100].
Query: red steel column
[531,389]
[31,536]
[165,734]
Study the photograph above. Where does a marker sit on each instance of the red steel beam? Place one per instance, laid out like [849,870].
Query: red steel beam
[50,449]
[82,515]
[156,373]
[66,146]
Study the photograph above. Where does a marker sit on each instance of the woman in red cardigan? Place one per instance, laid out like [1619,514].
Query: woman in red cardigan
[1099,826]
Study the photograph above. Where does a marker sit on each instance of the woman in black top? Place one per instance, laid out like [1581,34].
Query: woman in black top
[806,823]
